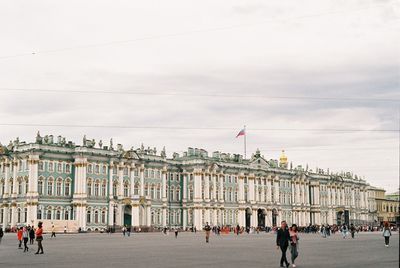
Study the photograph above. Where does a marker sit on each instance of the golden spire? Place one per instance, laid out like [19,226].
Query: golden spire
[283,159]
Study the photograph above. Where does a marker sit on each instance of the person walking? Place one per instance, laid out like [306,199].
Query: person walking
[176,232]
[31,235]
[65,229]
[53,231]
[352,230]
[19,236]
[207,228]
[237,229]
[128,230]
[25,236]
[1,234]
[39,238]
[282,242]
[386,233]
[344,230]
[294,243]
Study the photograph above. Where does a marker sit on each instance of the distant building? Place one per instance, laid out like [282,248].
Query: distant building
[388,207]
[92,186]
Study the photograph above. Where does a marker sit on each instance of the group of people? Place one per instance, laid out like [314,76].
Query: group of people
[28,233]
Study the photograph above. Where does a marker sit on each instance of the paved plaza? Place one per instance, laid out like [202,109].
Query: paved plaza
[190,250]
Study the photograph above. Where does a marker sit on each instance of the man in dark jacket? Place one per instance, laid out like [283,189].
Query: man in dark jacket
[282,242]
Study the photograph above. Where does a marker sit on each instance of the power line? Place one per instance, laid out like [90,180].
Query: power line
[194,128]
[215,29]
[174,94]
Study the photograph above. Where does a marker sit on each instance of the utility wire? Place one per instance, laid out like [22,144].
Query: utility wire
[191,32]
[73,91]
[193,128]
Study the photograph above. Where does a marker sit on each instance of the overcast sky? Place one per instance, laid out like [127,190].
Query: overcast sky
[195,49]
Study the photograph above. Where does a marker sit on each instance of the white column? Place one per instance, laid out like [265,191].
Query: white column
[132,180]
[110,180]
[164,216]
[148,215]
[197,187]
[214,182]
[121,180]
[164,185]
[206,188]
[142,180]
[221,187]
[184,220]
[33,194]
[5,217]
[184,197]
[135,216]
[251,188]
[241,189]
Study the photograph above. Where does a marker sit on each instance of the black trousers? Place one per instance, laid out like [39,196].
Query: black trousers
[40,247]
[20,244]
[53,234]
[283,258]
[25,242]
[31,240]
[387,240]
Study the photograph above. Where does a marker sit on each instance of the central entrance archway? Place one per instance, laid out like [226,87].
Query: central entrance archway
[128,215]
[261,218]
[248,217]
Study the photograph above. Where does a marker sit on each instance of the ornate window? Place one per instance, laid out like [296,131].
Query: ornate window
[103,216]
[67,168]
[96,217]
[126,189]
[66,188]
[88,216]
[103,189]
[66,215]
[89,168]
[59,167]
[40,166]
[49,214]
[50,188]
[39,214]
[58,215]
[97,169]
[40,187]
[58,188]
[89,188]
[96,188]
[51,167]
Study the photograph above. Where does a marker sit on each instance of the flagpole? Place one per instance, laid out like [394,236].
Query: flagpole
[245,134]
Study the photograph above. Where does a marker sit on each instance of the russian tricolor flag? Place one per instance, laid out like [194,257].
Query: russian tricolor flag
[241,133]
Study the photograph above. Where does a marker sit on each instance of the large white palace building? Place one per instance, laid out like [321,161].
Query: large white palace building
[93,186]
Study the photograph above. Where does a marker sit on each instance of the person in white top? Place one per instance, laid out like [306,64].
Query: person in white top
[387,234]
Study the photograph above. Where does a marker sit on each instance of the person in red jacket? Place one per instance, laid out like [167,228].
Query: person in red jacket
[19,235]
[39,238]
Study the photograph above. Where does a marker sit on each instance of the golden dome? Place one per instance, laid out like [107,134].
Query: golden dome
[283,159]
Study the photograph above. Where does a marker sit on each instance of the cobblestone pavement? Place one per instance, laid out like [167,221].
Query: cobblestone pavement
[190,250]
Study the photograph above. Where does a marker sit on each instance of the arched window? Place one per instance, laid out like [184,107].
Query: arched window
[89,188]
[178,194]
[114,189]
[136,189]
[66,214]
[152,191]
[20,187]
[26,215]
[39,214]
[67,187]
[26,186]
[103,189]
[126,189]
[190,193]
[58,215]
[67,168]
[40,187]
[49,214]
[88,216]
[103,216]
[50,188]
[19,215]
[158,192]
[171,193]
[96,217]
[96,188]
[59,167]
[58,188]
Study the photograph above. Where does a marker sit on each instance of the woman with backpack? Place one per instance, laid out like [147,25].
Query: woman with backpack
[387,234]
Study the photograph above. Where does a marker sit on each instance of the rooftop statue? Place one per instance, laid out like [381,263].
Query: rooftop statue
[163,153]
[111,144]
